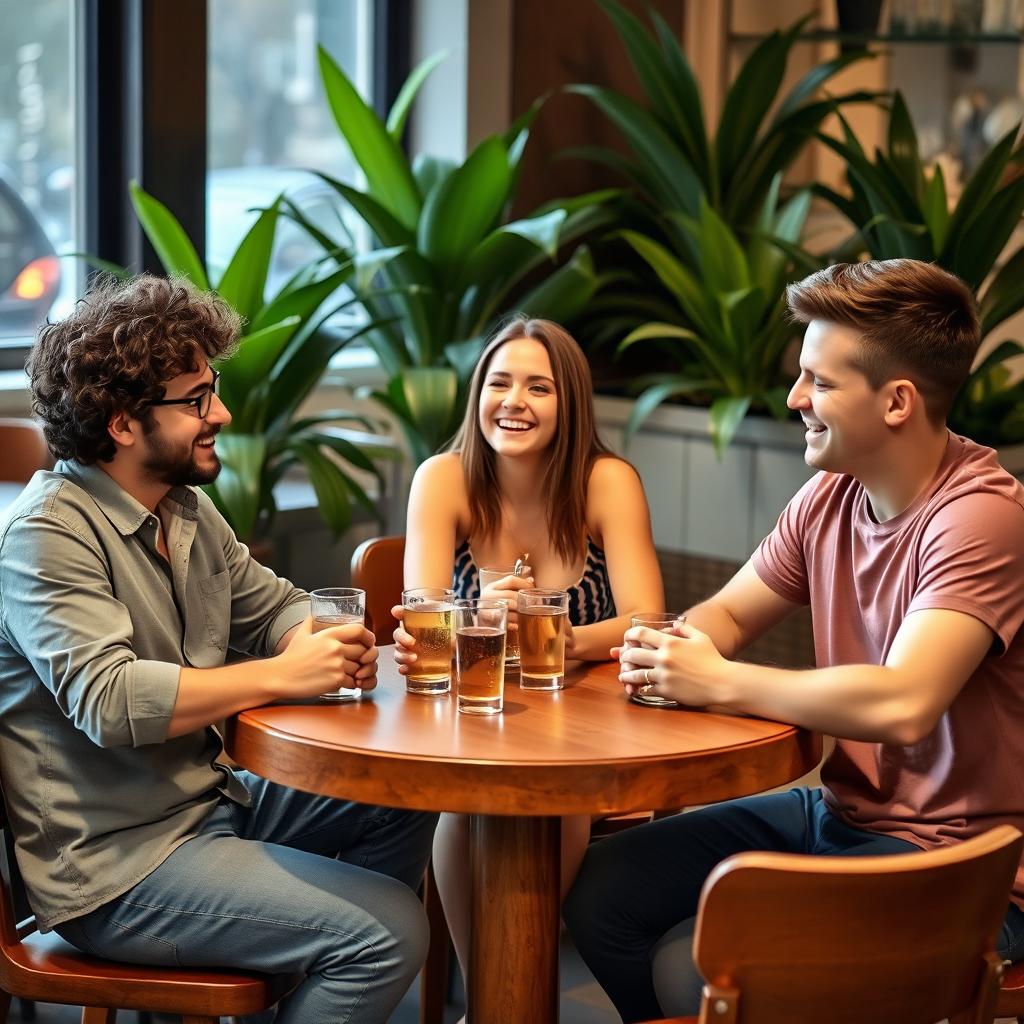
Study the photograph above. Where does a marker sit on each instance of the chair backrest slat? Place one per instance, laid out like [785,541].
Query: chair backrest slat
[377,568]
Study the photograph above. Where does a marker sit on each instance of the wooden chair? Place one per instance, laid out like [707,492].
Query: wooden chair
[904,939]
[377,568]
[45,968]
[1011,993]
[22,450]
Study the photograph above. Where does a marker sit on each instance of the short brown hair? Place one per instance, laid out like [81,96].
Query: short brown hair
[116,351]
[574,449]
[915,320]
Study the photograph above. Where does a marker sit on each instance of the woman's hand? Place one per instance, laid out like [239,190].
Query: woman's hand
[507,589]
[404,643]
[570,638]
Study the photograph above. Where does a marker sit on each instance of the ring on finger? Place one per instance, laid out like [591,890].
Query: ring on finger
[648,685]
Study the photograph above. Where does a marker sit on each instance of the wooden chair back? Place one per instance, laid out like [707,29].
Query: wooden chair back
[904,939]
[45,968]
[378,568]
[22,450]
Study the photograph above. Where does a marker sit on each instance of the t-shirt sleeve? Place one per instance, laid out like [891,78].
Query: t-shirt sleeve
[972,561]
[779,560]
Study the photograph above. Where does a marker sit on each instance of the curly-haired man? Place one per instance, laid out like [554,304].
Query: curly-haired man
[121,590]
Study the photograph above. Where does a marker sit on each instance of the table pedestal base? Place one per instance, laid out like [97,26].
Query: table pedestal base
[514,864]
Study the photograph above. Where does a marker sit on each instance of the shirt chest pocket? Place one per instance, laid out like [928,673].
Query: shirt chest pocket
[215,624]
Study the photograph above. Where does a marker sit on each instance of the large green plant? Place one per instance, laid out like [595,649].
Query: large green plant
[900,208]
[458,264]
[706,218]
[730,329]
[676,164]
[281,358]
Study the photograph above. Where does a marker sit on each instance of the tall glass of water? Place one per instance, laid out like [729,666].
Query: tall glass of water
[337,606]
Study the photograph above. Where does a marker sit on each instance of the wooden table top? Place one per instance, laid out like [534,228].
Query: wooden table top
[582,750]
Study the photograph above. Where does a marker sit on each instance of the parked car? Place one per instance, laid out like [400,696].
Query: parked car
[29,267]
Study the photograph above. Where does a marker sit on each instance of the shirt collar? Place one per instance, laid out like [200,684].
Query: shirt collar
[124,512]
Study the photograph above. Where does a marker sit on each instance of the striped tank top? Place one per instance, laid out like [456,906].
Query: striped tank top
[590,598]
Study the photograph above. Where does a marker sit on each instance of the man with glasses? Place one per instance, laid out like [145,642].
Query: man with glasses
[121,591]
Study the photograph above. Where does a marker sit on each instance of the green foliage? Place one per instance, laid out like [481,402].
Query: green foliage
[458,264]
[282,356]
[730,329]
[900,208]
[707,220]
[677,162]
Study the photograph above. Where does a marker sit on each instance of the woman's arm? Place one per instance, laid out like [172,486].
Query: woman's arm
[432,522]
[617,512]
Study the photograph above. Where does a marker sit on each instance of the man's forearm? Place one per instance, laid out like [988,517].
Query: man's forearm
[858,702]
[713,618]
[210,694]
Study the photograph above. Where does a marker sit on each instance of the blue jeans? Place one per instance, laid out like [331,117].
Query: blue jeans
[293,884]
[631,911]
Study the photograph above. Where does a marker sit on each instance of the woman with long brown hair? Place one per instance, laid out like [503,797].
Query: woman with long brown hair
[527,475]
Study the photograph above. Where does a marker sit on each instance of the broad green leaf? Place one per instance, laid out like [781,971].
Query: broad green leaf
[747,102]
[238,485]
[330,485]
[903,151]
[1004,295]
[380,157]
[378,219]
[464,355]
[654,396]
[657,331]
[302,302]
[935,209]
[430,170]
[245,278]
[251,364]
[403,102]
[566,292]
[465,206]
[657,152]
[168,238]
[814,79]
[723,262]
[430,394]
[976,194]
[987,233]
[724,418]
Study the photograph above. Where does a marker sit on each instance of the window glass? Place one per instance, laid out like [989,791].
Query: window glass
[269,122]
[37,165]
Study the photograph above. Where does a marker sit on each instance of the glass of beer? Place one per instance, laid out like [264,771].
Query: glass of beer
[427,614]
[491,575]
[480,629]
[543,617]
[337,606]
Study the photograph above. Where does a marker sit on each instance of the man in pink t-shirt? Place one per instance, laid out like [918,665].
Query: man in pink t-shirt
[909,547]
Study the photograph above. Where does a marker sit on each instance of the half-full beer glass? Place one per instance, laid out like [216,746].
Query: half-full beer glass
[427,614]
[491,574]
[543,621]
[337,606]
[480,629]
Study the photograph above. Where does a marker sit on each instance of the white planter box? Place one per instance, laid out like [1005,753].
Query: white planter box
[700,505]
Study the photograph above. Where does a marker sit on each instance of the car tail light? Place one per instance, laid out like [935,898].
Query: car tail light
[36,279]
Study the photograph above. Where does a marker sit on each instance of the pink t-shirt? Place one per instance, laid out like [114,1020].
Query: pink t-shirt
[959,546]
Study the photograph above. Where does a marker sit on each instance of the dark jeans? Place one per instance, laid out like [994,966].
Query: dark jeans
[631,909]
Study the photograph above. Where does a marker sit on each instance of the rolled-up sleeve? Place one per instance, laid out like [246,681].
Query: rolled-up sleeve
[60,613]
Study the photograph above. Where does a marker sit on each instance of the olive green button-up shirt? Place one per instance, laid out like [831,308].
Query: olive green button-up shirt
[94,629]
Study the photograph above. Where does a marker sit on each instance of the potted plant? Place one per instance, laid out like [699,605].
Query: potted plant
[707,220]
[900,208]
[456,264]
[282,356]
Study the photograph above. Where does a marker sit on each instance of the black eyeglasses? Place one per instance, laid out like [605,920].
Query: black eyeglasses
[201,402]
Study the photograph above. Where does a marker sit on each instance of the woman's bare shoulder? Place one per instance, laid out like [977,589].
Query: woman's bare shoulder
[609,473]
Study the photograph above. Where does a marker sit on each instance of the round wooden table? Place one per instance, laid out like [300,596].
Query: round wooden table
[582,750]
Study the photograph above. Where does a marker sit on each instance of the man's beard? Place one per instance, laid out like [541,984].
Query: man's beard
[171,466]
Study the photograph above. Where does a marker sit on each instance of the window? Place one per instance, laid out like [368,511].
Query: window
[269,122]
[37,168]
